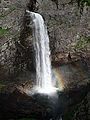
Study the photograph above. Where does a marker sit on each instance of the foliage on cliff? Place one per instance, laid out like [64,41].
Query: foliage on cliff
[3,31]
[82,2]
[82,43]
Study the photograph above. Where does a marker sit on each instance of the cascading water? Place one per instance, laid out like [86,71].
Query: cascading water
[41,46]
[42,52]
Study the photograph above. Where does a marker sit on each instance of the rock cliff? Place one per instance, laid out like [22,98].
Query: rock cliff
[68,27]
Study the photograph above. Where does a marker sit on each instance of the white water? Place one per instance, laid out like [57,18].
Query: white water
[42,55]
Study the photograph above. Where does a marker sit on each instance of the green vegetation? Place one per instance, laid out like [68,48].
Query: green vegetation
[3,31]
[82,43]
[82,2]
[12,8]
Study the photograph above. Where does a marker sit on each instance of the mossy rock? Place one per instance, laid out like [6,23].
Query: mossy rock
[82,2]
[82,43]
[3,31]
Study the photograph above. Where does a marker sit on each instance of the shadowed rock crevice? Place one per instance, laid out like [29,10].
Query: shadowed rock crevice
[32,5]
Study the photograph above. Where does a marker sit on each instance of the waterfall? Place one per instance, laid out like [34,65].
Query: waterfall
[42,54]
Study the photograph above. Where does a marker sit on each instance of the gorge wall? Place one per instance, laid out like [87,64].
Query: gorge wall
[68,26]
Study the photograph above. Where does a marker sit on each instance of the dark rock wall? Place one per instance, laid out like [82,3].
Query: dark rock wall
[83,109]
[65,21]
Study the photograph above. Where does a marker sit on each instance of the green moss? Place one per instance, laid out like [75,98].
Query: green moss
[3,31]
[82,2]
[12,8]
[82,43]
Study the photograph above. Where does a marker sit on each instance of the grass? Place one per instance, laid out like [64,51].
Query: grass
[3,31]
